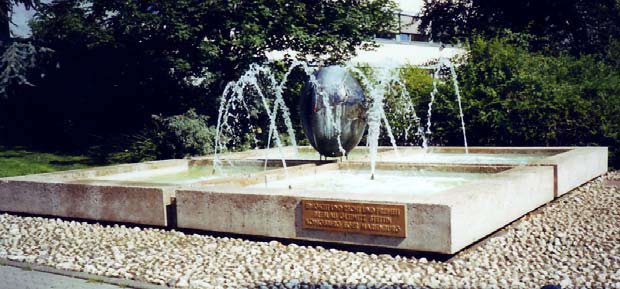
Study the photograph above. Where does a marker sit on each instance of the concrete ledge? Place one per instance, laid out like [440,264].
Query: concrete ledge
[107,203]
[480,208]
[100,171]
[78,194]
[576,166]
[501,150]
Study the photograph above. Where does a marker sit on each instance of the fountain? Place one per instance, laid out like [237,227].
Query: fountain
[422,198]
[334,110]
[429,199]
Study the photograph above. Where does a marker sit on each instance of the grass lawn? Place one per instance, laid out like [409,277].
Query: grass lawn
[15,162]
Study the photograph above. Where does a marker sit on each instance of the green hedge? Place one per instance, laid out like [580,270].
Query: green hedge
[515,97]
[176,136]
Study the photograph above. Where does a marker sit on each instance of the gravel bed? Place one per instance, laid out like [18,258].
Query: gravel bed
[573,242]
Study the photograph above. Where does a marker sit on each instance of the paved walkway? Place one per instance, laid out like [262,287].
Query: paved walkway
[18,278]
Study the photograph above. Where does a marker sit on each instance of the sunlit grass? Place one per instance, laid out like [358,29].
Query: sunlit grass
[16,162]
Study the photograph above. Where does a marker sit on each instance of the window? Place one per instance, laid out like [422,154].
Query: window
[403,37]
[419,37]
[390,36]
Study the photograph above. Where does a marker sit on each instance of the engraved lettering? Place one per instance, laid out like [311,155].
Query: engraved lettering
[350,217]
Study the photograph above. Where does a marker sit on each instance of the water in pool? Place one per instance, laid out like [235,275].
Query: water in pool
[184,176]
[472,158]
[405,182]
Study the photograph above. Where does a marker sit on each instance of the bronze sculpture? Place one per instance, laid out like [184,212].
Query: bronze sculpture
[333,130]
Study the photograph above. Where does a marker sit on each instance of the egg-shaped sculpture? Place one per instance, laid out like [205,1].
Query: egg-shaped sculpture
[333,111]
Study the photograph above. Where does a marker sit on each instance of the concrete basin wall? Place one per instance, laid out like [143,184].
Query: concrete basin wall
[289,154]
[278,215]
[444,222]
[140,205]
[70,175]
[576,167]
[75,194]
[478,209]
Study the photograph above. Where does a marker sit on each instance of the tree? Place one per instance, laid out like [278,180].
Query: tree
[516,97]
[17,58]
[579,26]
[6,8]
[120,61]
[224,36]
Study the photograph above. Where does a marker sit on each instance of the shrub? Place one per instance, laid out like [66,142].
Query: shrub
[182,135]
[176,136]
[515,97]
[520,98]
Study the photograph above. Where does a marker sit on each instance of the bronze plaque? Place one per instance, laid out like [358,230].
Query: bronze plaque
[350,217]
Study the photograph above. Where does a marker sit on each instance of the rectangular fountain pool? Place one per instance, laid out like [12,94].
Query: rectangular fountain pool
[433,205]
[441,202]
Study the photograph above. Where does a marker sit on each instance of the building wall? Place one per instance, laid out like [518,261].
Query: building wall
[408,29]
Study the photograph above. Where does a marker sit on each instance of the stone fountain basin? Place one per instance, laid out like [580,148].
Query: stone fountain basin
[441,220]
[441,215]
[141,193]
[444,221]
